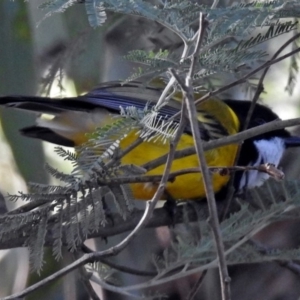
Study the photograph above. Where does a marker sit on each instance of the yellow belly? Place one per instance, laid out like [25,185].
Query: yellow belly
[188,186]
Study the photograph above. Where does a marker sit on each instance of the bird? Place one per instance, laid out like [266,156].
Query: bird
[74,117]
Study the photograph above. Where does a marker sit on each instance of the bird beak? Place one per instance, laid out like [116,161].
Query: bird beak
[292,141]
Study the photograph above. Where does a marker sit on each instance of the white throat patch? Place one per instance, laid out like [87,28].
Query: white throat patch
[269,151]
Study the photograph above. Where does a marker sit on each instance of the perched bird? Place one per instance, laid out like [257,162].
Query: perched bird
[74,117]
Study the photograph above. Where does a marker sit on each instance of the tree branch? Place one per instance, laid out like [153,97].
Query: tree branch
[207,180]
[188,94]
[245,77]
[231,139]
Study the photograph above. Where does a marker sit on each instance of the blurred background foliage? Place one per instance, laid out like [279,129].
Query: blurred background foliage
[27,55]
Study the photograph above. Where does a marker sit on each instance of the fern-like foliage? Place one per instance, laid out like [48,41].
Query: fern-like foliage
[230,44]
[237,231]
[154,63]
[181,16]
[78,207]
[104,272]
[96,12]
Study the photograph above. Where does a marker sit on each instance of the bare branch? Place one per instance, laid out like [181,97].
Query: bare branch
[117,225]
[119,267]
[188,93]
[85,279]
[260,87]
[290,265]
[215,4]
[244,78]
[231,139]
[196,286]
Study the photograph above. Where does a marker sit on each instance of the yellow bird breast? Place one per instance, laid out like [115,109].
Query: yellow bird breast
[187,186]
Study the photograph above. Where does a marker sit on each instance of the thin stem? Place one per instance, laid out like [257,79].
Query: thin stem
[231,139]
[122,153]
[85,279]
[196,286]
[188,94]
[165,92]
[242,79]
[290,265]
[92,257]
[260,88]
[118,226]
[119,267]
[230,191]
[252,232]
[245,77]
[185,51]
[215,4]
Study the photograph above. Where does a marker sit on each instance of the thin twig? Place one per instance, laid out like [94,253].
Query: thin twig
[202,26]
[118,226]
[119,267]
[257,94]
[252,232]
[188,94]
[3,207]
[216,43]
[165,92]
[245,77]
[93,257]
[231,190]
[193,292]
[215,3]
[122,153]
[260,88]
[172,176]
[126,269]
[85,279]
[290,265]
[242,79]
[267,168]
[106,286]
[231,139]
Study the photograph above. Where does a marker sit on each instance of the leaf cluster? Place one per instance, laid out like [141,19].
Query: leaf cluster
[188,252]
[230,45]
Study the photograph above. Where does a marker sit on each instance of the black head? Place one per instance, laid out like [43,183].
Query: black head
[261,115]
[261,149]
